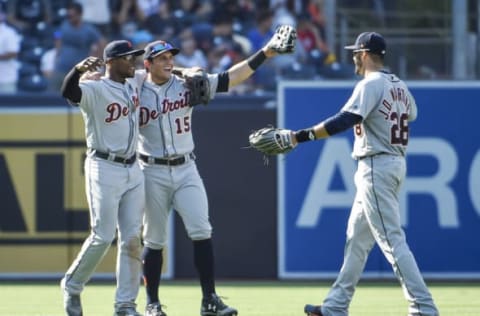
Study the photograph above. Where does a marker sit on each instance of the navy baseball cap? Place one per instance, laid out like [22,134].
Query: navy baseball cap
[156,48]
[120,48]
[371,42]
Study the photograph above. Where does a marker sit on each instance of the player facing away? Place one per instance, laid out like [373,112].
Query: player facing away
[114,182]
[172,180]
[379,110]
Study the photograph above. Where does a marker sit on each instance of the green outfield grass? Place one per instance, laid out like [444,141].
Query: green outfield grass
[251,298]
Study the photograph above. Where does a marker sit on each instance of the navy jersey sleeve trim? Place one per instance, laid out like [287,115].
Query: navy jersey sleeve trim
[341,122]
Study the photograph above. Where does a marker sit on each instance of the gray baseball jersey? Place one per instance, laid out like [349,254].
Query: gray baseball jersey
[110,113]
[114,190]
[166,118]
[166,134]
[386,105]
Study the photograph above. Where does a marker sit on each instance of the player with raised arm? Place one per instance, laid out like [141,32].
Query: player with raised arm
[114,182]
[379,111]
[166,153]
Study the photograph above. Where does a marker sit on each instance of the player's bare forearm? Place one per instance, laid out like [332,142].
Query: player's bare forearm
[269,52]
[319,131]
[282,42]
[243,70]
[239,73]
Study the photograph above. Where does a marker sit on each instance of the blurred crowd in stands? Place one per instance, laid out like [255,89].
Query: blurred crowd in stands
[41,40]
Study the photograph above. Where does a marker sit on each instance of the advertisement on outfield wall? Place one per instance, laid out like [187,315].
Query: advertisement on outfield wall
[44,214]
[440,199]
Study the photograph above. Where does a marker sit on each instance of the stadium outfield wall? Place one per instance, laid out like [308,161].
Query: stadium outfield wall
[440,200]
[258,230]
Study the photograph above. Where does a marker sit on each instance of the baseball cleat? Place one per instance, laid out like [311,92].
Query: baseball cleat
[214,306]
[126,311]
[154,309]
[313,310]
[72,304]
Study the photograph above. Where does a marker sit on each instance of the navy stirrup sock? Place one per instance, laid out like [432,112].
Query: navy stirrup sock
[152,260]
[204,262]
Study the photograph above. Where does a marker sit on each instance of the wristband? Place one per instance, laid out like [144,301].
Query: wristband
[256,60]
[305,135]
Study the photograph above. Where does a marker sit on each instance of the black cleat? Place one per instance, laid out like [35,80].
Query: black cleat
[214,306]
[154,309]
[313,310]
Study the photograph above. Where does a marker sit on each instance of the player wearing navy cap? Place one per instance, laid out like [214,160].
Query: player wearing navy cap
[114,181]
[379,111]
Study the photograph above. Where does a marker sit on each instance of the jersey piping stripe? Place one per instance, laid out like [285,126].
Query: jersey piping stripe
[131,120]
[170,84]
[383,223]
[131,117]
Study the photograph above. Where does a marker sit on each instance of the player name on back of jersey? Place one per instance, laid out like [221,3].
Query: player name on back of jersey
[398,95]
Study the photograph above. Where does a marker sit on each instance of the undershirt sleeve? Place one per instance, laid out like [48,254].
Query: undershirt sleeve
[341,122]
[70,88]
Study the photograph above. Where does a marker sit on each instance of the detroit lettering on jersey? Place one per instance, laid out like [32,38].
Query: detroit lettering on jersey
[115,110]
[168,105]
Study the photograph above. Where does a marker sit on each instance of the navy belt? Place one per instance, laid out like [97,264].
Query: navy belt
[164,161]
[107,156]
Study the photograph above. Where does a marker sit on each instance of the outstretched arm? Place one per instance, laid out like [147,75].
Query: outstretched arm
[282,42]
[240,72]
[196,80]
[331,126]
[275,141]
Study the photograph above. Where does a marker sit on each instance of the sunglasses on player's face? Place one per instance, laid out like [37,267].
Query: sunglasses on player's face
[129,57]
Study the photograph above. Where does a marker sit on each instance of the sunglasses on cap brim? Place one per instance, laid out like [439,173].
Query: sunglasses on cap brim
[161,47]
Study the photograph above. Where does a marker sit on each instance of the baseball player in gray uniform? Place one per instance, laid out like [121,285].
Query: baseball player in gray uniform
[114,181]
[172,180]
[379,111]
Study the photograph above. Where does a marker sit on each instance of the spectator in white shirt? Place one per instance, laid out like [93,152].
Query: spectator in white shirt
[9,49]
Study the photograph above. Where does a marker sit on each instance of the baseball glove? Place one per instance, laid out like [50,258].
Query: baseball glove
[284,39]
[196,81]
[271,140]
